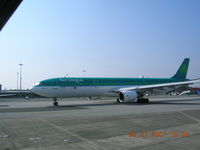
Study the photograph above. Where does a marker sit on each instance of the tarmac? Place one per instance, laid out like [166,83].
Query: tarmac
[170,122]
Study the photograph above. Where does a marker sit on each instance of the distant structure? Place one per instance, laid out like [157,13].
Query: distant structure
[20,78]
[0,87]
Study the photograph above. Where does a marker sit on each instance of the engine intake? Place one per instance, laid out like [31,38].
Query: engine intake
[128,96]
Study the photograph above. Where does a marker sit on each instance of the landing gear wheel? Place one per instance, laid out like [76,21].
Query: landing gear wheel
[139,101]
[146,101]
[143,101]
[55,103]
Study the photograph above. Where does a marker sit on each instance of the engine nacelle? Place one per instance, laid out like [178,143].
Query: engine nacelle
[128,96]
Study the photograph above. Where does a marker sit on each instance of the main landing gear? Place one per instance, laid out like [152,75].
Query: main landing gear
[55,103]
[139,101]
[143,101]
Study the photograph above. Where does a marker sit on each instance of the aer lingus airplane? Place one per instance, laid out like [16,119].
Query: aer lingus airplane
[125,89]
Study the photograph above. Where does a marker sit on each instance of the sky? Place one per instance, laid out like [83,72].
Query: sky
[106,38]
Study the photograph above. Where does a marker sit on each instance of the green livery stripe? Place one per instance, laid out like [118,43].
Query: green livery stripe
[104,81]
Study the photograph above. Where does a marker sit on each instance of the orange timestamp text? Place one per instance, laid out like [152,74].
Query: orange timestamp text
[158,134]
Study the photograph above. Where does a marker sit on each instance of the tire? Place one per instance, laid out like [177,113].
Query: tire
[55,103]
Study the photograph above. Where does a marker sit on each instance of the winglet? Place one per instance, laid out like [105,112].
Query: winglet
[182,71]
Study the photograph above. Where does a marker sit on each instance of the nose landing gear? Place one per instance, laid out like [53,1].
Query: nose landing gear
[55,103]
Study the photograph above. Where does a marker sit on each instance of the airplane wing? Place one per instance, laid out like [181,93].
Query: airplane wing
[157,86]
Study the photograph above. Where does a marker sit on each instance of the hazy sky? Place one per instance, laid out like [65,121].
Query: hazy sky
[107,38]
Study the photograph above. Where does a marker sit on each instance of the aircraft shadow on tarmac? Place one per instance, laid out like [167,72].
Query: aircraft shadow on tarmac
[52,108]
[87,106]
[177,102]
[170,102]
[84,105]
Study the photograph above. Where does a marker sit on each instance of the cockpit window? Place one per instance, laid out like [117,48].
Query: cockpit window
[37,84]
[47,83]
[40,83]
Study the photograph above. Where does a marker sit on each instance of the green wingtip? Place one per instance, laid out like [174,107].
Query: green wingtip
[182,71]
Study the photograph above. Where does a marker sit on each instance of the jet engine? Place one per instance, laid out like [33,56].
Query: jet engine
[128,96]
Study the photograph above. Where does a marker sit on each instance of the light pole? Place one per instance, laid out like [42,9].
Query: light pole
[20,74]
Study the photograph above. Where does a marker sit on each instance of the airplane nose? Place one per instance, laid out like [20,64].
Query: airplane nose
[33,90]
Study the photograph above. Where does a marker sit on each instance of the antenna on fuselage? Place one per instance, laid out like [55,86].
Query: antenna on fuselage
[67,75]
[84,72]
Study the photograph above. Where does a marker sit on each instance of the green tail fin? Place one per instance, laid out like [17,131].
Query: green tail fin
[182,71]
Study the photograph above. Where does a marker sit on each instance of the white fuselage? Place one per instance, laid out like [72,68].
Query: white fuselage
[75,91]
[83,91]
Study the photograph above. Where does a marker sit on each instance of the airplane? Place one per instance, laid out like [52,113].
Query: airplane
[124,89]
